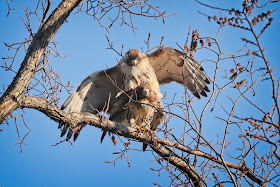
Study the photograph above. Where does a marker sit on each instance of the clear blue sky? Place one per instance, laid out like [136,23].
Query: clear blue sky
[84,43]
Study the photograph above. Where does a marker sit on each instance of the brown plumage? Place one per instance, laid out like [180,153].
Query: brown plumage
[99,90]
[141,113]
[173,65]
[133,54]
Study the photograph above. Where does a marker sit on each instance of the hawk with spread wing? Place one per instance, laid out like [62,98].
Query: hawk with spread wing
[136,72]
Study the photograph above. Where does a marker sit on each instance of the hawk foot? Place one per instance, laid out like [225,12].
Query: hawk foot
[144,129]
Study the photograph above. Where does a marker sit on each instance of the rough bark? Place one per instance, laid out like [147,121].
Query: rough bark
[14,94]
[60,116]
[176,160]
[157,144]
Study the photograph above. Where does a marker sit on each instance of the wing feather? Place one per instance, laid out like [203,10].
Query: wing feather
[92,95]
[94,92]
[98,91]
[173,65]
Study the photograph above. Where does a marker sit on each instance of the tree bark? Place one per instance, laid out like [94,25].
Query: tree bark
[13,96]
[176,160]
[160,146]
[41,104]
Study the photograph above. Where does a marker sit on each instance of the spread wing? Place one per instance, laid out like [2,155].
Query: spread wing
[173,65]
[93,94]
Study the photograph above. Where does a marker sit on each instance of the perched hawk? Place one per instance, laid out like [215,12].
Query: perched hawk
[137,71]
[140,112]
[100,90]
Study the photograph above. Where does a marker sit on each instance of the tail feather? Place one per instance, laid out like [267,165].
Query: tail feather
[66,103]
[64,130]
[76,134]
[103,135]
[144,147]
[72,104]
[69,134]
[191,70]
[60,125]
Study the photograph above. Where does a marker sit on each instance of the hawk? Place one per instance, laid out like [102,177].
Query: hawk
[103,90]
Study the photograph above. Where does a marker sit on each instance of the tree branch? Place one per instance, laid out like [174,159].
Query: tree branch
[41,104]
[9,101]
[158,145]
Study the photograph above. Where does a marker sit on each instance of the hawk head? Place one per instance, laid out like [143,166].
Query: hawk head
[133,57]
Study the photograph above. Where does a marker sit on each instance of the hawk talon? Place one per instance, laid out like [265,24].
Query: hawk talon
[140,129]
[143,129]
[135,126]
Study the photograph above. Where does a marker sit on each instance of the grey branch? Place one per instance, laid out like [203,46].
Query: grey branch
[160,146]
[9,100]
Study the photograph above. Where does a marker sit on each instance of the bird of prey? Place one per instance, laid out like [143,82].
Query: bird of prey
[139,113]
[137,71]
[140,108]
[100,90]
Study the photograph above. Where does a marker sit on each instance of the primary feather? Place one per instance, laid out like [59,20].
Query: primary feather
[173,65]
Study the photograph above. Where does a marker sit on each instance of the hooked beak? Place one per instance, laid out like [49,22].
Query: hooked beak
[132,63]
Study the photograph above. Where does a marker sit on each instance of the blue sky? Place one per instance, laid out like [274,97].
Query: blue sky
[84,43]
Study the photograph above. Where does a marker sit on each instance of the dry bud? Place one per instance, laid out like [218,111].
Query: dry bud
[214,175]
[238,84]
[226,19]
[187,48]
[126,144]
[238,65]
[201,42]
[194,45]
[115,142]
[232,70]
[209,42]
[273,135]
[269,12]
[192,55]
